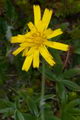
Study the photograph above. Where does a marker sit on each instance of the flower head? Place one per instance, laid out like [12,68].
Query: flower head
[35,42]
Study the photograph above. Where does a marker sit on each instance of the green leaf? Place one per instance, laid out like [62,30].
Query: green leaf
[71,72]
[18,115]
[7,108]
[30,103]
[75,111]
[71,110]
[77,50]
[46,97]
[73,103]
[49,115]
[51,75]
[5,105]
[28,116]
[32,106]
[56,55]
[71,85]
[61,92]
[77,118]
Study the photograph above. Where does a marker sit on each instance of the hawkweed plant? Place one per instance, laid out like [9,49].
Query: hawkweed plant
[35,43]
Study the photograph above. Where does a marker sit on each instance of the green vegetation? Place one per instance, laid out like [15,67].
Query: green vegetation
[20,91]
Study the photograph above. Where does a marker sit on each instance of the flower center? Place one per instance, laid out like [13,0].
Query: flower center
[38,38]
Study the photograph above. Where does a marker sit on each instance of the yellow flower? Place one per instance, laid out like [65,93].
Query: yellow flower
[35,42]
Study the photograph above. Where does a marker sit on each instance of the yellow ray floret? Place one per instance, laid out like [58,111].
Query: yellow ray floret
[27,63]
[36,42]
[36,59]
[30,51]
[25,51]
[52,33]
[46,55]
[31,27]
[37,14]
[17,51]
[46,18]
[57,45]
[18,39]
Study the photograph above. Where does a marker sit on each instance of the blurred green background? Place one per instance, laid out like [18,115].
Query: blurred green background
[19,90]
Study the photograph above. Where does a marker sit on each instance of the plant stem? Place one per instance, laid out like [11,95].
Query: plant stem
[42,92]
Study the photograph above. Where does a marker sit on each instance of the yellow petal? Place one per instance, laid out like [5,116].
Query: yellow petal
[46,18]
[57,45]
[36,59]
[46,55]
[17,51]
[27,35]
[31,26]
[40,26]
[31,51]
[50,33]
[37,14]
[18,39]
[26,44]
[27,63]
[25,51]
[47,32]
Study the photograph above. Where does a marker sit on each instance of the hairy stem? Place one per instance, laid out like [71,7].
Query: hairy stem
[42,92]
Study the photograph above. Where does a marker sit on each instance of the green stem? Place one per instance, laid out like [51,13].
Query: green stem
[42,92]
